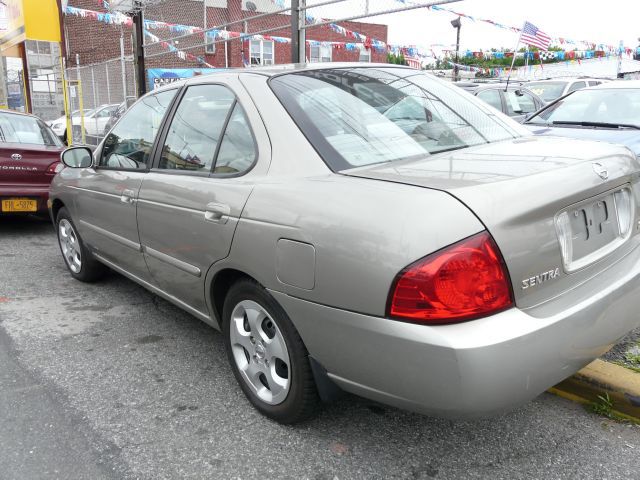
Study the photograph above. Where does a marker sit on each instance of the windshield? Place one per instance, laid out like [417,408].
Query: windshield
[28,130]
[615,106]
[548,91]
[362,116]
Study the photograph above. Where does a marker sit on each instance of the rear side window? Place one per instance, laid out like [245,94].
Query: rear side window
[27,130]
[237,150]
[576,86]
[196,129]
[492,97]
[128,145]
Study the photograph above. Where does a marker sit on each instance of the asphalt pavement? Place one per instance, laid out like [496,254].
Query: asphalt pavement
[109,381]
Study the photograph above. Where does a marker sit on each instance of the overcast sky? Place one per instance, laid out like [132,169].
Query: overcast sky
[599,22]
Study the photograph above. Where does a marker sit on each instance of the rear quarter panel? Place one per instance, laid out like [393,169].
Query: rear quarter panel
[363,232]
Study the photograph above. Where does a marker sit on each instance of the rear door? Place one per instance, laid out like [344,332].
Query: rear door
[191,201]
[106,206]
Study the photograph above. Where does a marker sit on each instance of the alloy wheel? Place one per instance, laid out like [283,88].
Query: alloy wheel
[260,352]
[70,245]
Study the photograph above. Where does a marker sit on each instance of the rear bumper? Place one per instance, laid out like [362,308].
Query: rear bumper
[36,192]
[475,368]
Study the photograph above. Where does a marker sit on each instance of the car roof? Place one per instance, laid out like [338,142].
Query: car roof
[274,70]
[617,84]
[569,79]
[24,114]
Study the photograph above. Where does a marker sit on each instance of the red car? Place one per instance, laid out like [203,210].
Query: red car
[29,159]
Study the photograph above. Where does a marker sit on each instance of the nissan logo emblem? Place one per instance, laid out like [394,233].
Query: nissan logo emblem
[16,156]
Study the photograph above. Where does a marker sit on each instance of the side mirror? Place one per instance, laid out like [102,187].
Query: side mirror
[77,157]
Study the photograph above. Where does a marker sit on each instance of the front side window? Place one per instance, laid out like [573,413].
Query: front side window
[129,144]
[25,129]
[519,103]
[362,116]
[261,52]
[196,129]
[320,53]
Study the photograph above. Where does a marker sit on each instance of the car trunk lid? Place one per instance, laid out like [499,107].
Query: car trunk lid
[22,164]
[551,204]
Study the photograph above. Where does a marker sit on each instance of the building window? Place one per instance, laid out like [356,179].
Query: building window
[365,55]
[210,44]
[261,52]
[320,53]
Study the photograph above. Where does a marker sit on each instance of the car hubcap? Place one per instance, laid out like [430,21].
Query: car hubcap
[260,352]
[70,245]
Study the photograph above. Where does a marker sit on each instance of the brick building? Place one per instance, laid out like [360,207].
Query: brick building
[95,41]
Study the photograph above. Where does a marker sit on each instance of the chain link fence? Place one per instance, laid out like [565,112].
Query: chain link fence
[95,93]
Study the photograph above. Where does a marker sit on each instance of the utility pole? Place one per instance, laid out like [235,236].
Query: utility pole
[295,30]
[455,23]
[138,41]
[298,34]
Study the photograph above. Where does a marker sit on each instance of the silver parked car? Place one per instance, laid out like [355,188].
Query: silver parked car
[365,228]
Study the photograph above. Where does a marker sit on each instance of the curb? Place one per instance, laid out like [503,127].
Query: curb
[601,378]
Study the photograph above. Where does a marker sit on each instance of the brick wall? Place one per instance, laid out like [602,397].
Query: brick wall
[96,42]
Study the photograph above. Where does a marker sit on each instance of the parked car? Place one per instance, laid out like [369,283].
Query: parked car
[515,101]
[550,90]
[609,112]
[95,122]
[339,243]
[29,159]
[59,125]
[115,115]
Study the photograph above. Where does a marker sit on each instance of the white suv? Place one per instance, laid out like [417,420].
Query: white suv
[549,90]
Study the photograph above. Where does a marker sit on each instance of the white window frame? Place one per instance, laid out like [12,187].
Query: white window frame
[324,53]
[259,53]
[366,53]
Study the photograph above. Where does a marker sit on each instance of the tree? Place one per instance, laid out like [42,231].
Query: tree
[396,59]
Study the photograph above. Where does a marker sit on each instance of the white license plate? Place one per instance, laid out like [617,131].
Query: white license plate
[590,230]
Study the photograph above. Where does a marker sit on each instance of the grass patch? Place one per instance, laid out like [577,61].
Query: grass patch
[632,358]
[604,406]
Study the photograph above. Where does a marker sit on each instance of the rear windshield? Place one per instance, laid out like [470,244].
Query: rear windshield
[548,91]
[27,130]
[362,116]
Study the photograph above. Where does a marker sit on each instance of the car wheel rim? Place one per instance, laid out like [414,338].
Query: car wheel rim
[260,352]
[70,245]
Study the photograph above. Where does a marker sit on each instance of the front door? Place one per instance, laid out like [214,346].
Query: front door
[190,202]
[107,210]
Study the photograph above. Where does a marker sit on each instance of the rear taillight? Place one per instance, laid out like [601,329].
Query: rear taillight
[54,168]
[466,280]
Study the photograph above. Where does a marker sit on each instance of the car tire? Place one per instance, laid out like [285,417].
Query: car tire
[78,259]
[258,334]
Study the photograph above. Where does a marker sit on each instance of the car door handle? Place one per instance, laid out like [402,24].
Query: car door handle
[217,213]
[128,196]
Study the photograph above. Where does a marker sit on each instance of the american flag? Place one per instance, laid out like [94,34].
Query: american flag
[531,35]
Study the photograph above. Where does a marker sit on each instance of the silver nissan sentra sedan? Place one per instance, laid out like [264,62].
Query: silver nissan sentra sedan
[363,228]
